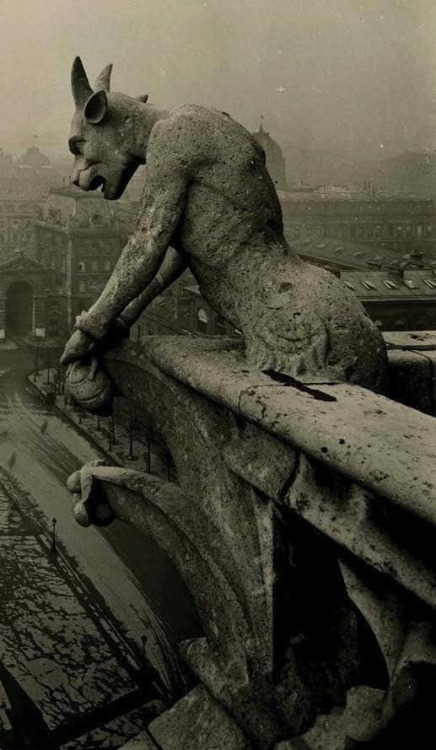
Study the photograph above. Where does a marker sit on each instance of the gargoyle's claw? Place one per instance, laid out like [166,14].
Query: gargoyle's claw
[78,345]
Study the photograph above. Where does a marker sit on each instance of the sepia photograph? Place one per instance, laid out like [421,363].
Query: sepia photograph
[218,375]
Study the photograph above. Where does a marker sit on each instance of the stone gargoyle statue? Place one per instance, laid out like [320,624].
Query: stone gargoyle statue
[209,204]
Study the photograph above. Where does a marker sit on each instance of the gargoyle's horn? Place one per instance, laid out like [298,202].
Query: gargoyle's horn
[80,84]
[103,82]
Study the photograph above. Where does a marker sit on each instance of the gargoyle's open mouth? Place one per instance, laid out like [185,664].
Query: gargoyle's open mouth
[97,182]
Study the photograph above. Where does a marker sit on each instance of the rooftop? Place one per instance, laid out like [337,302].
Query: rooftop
[322,195]
[345,253]
[385,284]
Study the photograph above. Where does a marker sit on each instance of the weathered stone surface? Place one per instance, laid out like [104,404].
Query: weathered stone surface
[365,526]
[209,195]
[327,734]
[257,457]
[141,742]
[410,340]
[198,722]
[411,379]
[303,524]
[90,387]
[380,444]
[412,368]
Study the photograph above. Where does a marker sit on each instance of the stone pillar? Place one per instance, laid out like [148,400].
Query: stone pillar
[2,317]
[38,316]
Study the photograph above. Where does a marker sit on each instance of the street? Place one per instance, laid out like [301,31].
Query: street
[58,571]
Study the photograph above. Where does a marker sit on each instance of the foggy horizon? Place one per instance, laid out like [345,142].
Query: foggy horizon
[350,77]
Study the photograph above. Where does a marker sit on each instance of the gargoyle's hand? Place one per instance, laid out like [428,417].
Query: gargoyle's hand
[78,346]
[90,504]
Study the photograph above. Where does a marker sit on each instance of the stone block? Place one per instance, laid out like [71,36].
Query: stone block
[141,742]
[410,379]
[197,722]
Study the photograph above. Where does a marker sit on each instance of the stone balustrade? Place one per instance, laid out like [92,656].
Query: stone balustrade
[303,523]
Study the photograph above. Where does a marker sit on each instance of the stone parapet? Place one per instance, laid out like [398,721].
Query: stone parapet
[303,523]
[412,361]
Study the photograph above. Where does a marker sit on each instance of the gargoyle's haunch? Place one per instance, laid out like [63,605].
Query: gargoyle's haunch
[209,203]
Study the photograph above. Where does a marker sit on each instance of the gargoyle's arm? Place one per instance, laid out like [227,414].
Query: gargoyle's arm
[163,202]
[172,267]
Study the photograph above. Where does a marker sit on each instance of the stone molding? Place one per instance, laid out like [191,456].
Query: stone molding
[303,523]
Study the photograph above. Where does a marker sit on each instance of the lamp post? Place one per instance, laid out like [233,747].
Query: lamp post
[130,456]
[53,537]
[144,649]
[36,373]
[148,455]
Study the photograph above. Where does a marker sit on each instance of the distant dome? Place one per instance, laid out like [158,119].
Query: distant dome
[275,160]
[34,159]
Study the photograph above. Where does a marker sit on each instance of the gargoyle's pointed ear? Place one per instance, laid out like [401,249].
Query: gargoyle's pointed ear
[143,98]
[80,84]
[103,82]
[96,107]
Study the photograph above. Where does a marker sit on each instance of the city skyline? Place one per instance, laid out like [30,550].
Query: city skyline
[338,76]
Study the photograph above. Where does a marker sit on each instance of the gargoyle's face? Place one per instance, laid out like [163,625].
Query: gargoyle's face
[102,136]
[102,158]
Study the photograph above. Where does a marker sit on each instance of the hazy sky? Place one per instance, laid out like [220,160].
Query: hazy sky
[346,75]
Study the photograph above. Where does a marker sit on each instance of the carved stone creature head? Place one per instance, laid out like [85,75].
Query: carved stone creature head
[107,134]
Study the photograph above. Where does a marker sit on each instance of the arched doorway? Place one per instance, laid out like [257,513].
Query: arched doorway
[19,305]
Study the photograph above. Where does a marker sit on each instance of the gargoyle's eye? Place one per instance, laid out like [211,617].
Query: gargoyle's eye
[76,146]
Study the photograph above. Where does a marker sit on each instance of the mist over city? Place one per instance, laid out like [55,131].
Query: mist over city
[350,77]
[217,353]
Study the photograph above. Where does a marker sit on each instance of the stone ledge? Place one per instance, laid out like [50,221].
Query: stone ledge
[141,742]
[197,722]
[378,443]
[412,368]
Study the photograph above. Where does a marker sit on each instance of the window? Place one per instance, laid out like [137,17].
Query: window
[82,287]
[368,284]
[107,265]
[389,284]
[410,284]
[202,320]
[94,265]
[349,285]
[82,266]
[430,283]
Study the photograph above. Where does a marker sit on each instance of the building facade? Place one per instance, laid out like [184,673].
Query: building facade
[76,239]
[25,298]
[79,237]
[401,223]
[403,300]
[17,226]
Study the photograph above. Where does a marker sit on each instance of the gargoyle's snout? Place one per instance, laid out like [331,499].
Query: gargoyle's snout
[87,179]
[75,178]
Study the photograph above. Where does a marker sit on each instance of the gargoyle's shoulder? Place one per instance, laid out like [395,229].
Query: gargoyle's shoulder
[188,120]
[186,130]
